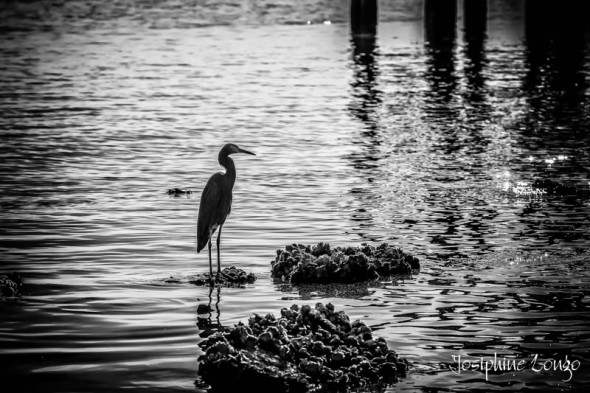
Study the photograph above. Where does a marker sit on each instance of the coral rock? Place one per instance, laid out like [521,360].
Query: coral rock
[295,354]
[230,276]
[321,264]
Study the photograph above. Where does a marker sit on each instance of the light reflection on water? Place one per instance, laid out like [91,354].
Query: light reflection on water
[430,145]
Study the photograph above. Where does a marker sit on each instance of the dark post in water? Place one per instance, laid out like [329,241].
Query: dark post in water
[363,16]
[440,20]
[475,18]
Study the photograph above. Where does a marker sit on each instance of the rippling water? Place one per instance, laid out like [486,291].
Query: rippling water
[419,137]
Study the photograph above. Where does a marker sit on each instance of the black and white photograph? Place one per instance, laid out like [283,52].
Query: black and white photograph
[291,196]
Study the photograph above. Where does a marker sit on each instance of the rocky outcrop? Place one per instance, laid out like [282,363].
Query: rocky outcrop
[306,348]
[322,264]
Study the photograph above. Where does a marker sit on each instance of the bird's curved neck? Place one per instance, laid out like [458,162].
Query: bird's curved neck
[230,168]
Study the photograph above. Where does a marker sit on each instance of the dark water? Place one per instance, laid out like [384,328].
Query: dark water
[425,136]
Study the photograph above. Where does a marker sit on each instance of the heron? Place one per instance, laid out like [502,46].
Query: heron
[216,202]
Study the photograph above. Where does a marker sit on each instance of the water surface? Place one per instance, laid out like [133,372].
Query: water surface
[432,145]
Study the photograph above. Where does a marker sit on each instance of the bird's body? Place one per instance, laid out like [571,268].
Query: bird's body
[214,209]
[216,201]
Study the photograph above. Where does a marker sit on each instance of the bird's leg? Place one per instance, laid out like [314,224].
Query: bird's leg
[218,257]
[210,265]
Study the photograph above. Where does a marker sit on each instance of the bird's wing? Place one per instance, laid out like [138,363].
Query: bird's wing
[208,211]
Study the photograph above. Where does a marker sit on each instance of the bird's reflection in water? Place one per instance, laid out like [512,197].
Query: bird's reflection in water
[206,322]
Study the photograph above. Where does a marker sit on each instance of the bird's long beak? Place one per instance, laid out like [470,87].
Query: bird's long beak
[246,151]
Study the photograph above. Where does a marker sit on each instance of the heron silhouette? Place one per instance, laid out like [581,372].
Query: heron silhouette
[216,202]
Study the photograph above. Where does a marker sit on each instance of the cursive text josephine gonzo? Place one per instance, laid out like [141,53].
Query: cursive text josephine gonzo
[499,364]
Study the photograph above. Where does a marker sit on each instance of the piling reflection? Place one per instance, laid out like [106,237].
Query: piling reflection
[555,83]
[476,62]
[365,105]
[556,118]
[465,129]
[441,111]
[366,97]
[440,18]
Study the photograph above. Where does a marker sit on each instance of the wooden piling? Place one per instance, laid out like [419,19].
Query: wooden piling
[363,16]
[475,14]
[440,21]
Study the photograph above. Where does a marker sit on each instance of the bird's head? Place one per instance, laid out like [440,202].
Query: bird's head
[232,148]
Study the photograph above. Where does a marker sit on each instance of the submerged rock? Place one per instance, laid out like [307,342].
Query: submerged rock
[203,309]
[10,285]
[320,264]
[228,277]
[305,349]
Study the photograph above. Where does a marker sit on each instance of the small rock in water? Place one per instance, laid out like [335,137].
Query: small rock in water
[230,276]
[179,191]
[203,309]
[321,264]
[305,349]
